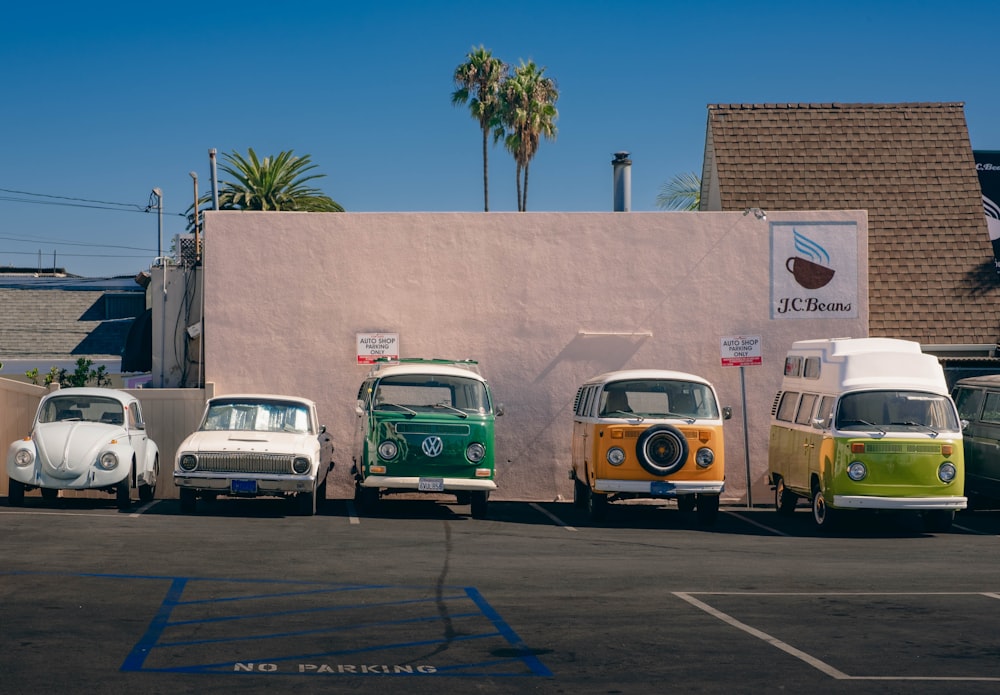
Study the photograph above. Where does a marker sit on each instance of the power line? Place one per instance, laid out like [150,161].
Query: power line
[76,255]
[79,202]
[76,243]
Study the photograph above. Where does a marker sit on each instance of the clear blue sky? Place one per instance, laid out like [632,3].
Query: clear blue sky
[104,101]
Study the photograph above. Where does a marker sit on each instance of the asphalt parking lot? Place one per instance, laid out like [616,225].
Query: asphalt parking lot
[418,597]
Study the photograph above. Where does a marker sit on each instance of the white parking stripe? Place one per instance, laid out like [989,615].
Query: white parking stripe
[813,661]
[757,524]
[557,520]
[773,641]
[352,513]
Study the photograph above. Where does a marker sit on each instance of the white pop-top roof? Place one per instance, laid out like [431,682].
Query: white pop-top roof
[638,374]
[426,368]
[850,364]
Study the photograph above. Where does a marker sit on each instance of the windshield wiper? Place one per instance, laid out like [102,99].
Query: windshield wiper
[930,429]
[461,413]
[408,411]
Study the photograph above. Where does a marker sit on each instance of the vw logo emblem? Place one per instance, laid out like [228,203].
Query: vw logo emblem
[432,446]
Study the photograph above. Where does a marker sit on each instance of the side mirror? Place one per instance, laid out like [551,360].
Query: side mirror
[499,410]
[727,412]
[359,407]
[322,429]
[964,424]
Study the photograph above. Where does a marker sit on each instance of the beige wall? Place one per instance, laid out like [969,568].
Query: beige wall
[542,300]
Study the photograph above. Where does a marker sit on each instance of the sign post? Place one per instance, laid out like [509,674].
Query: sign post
[740,351]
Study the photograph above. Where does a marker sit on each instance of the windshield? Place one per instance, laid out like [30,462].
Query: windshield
[257,416]
[658,398]
[431,392]
[896,411]
[83,408]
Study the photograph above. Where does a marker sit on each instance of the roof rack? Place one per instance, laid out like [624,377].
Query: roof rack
[383,362]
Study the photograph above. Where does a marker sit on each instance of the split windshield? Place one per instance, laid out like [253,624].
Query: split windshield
[431,393]
[653,398]
[896,411]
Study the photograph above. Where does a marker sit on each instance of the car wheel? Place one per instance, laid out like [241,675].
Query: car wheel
[597,505]
[464,497]
[784,499]
[685,503]
[480,504]
[122,494]
[189,500]
[15,493]
[938,520]
[824,516]
[305,502]
[662,449]
[708,509]
[148,492]
[50,494]
[579,493]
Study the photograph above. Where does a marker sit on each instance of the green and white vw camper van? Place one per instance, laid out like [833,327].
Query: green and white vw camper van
[866,423]
[425,425]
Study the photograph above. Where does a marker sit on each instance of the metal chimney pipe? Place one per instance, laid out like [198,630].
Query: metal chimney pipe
[622,166]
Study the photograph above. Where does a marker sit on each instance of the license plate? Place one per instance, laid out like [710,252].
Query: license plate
[244,487]
[660,487]
[431,484]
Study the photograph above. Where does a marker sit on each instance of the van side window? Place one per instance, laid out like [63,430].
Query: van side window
[586,398]
[825,412]
[793,366]
[969,403]
[806,405]
[786,409]
[810,370]
[578,401]
[991,411]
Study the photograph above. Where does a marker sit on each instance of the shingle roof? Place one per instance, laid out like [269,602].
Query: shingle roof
[931,270]
[56,324]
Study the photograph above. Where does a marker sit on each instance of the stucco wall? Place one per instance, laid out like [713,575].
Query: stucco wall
[542,300]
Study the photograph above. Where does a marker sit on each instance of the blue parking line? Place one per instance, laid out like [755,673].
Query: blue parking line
[511,658]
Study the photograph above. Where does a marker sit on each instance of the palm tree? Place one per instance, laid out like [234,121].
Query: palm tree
[272,183]
[478,80]
[683,192]
[528,114]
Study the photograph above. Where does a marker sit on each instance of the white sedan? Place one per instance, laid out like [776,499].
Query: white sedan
[85,439]
[255,445]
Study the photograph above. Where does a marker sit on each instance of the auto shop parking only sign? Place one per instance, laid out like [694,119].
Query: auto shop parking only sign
[741,350]
[372,346]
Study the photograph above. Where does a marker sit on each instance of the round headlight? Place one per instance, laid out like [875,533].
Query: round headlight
[24,457]
[108,461]
[189,462]
[388,450]
[301,465]
[475,452]
[705,457]
[947,472]
[616,456]
[856,471]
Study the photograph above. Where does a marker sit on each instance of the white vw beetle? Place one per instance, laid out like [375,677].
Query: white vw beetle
[85,439]
[253,446]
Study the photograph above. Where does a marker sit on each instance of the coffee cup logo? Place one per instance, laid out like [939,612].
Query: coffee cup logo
[811,269]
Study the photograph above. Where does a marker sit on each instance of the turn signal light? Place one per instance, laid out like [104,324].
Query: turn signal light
[857,447]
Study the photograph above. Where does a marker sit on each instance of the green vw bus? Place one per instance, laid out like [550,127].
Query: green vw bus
[425,426]
[866,423]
